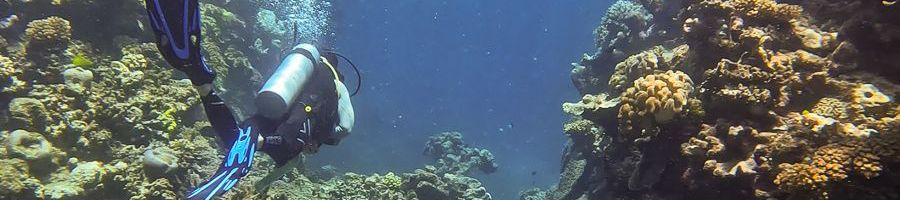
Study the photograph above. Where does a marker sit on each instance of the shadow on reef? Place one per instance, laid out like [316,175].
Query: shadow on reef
[741,99]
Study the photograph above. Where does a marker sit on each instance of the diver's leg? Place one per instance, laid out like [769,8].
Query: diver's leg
[176,24]
[218,114]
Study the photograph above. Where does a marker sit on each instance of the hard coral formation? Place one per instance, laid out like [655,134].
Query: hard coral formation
[655,60]
[49,30]
[625,22]
[654,99]
[590,104]
[778,106]
[454,156]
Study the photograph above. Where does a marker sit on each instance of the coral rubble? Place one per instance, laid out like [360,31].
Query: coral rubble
[748,99]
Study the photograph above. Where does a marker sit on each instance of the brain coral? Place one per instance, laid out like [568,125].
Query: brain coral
[831,107]
[52,30]
[654,98]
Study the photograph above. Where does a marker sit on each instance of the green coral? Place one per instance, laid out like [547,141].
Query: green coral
[168,119]
[81,60]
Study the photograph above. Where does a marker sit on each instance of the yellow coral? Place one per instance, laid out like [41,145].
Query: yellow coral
[795,177]
[169,120]
[391,181]
[7,68]
[655,98]
[51,29]
[764,9]
[836,162]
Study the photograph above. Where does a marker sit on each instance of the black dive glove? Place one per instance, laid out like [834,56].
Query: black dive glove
[289,138]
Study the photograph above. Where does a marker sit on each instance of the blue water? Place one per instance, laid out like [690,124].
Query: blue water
[472,66]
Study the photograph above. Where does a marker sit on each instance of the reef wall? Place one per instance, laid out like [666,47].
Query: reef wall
[745,99]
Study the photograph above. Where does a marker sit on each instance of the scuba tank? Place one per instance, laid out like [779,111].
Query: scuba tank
[280,91]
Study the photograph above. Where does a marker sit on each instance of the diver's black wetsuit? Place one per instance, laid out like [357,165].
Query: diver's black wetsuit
[310,122]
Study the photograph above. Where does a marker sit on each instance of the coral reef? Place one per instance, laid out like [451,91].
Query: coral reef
[749,99]
[453,156]
[94,112]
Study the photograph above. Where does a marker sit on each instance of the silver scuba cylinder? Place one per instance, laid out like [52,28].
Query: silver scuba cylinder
[275,97]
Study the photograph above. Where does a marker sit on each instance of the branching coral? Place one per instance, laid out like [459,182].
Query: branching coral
[654,99]
[49,30]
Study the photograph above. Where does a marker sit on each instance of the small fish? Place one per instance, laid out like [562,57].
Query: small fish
[140,25]
[533,173]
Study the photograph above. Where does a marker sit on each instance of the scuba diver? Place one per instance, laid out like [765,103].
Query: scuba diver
[302,105]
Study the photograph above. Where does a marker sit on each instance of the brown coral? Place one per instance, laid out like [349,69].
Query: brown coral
[49,30]
[655,98]
[767,10]
[833,163]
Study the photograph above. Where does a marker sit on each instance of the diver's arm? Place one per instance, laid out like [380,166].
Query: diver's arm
[346,116]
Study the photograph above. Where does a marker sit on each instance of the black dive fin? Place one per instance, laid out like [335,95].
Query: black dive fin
[176,24]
